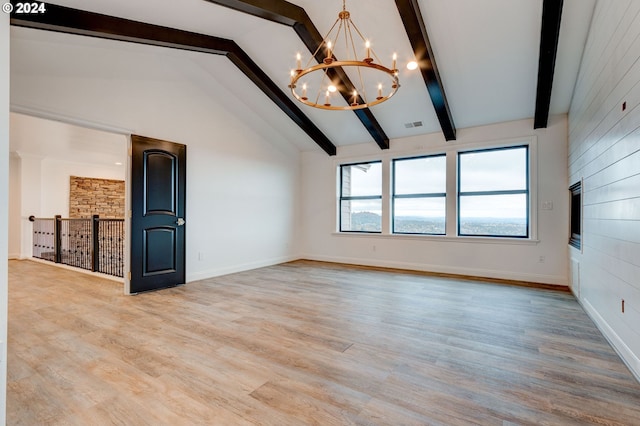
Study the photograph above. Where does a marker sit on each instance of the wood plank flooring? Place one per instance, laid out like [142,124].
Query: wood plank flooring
[307,343]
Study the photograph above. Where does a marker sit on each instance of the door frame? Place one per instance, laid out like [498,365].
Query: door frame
[127,217]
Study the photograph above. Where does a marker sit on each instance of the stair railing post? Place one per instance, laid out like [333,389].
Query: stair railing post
[58,238]
[95,238]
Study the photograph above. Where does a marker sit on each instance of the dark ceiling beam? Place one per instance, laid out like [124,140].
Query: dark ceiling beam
[285,13]
[78,22]
[417,33]
[549,37]
[279,11]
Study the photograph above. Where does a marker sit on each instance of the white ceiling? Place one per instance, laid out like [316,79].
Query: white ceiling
[486,51]
[48,139]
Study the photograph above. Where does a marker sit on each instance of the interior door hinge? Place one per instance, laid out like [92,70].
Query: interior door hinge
[130,214]
[129,276]
[130,152]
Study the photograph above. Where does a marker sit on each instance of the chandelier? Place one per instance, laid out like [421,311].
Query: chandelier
[372,83]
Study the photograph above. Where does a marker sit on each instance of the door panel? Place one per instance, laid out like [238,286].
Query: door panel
[160,179]
[158,214]
[160,246]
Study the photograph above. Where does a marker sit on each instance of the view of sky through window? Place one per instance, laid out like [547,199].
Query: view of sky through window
[419,195]
[493,192]
[360,201]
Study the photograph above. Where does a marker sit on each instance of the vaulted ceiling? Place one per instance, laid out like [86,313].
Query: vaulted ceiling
[481,62]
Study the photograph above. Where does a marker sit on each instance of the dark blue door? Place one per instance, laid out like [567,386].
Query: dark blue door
[158,182]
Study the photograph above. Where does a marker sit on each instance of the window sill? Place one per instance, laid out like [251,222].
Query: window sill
[442,238]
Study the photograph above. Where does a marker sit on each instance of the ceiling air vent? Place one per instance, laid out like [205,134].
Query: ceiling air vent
[413,124]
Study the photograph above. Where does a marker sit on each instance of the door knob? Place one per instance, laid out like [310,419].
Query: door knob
[180,221]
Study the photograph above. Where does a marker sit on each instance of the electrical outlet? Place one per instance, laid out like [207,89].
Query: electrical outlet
[622,306]
[541,259]
[200,255]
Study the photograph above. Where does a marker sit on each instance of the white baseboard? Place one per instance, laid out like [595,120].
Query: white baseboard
[232,269]
[473,272]
[190,277]
[626,354]
[74,269]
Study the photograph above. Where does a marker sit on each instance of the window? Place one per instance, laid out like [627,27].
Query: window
[576,215]
[419,195]
[361,197]
[493,192]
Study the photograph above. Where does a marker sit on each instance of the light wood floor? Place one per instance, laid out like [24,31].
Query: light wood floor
[307,343]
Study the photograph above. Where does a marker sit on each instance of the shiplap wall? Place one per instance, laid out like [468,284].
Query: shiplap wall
[604,150]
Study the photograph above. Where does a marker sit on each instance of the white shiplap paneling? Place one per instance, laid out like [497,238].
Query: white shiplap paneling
[604,150]
[611,41]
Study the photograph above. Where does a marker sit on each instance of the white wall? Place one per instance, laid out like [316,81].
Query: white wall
[30,182]
[15,203]
[604,151]
[4,201]
[497,258]
[241,185]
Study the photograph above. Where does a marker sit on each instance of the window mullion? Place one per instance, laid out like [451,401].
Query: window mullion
[361,197]
[431,195]
[480,193]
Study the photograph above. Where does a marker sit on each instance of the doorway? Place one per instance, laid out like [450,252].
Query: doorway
[47,154]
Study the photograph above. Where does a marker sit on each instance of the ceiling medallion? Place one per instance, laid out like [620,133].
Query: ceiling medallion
[316,85]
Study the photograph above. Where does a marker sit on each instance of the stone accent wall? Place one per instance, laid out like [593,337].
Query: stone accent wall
[89,196]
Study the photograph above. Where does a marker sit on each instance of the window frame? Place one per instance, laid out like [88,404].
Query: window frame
[527,191]
[342,198]
[395,196]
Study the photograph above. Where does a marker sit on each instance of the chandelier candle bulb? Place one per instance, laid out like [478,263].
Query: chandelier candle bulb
[328,59]
[304,92]
[293,74]
[299,62]
[368,59]
[326,99]
[395,58]
[379,92]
